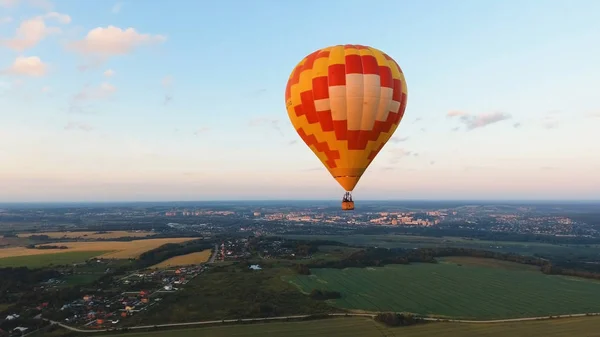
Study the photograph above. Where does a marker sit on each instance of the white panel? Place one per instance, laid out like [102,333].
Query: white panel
[394,106]
[354,100]
[322,104]
[337,102]
[385,100]
[372,89]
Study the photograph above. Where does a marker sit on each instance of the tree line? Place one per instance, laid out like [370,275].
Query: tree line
[377,257]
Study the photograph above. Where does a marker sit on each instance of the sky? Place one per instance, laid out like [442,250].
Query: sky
[148,100]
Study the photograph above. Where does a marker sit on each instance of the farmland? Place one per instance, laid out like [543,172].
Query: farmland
[451,289]
[184,260]
[90,235]
[414,241]
[364,327]
[104,249]
[42,260]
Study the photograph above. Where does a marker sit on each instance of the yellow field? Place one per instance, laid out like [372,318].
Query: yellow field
[90,235]
[184,260]
[119,249]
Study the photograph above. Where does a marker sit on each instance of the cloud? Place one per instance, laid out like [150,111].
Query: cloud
[61,18]
[456,128]
[272,123]
[43,4]
[167,81]
[103,91]
[27,66]
[200,131]
[89,94]
[5,19]
[112,41]
[258,92]
[397,140]
[46,89]
[116,8]
[76,126]
[399,153]
[480,120]
[109,73]
[550,122]
[312,169]
[517,125]
[455,113]
[594,115]
[8,3]
[31,31]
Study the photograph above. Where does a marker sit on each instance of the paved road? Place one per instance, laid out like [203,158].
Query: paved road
[281,318]
[214,254]
[523,319]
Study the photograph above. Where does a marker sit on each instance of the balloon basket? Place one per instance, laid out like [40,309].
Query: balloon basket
[348,205]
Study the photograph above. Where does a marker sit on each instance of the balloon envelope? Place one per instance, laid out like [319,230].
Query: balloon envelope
[345,102]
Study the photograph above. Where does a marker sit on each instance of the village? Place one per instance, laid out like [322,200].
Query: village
[110,305]
[96,311]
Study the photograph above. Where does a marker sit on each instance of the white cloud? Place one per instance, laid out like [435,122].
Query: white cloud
[103,91]
[9,3]
[399,153]
[5,19]
[116,9]
[398,139]
[109,73]
[594,115]
[455,113]
[76,126]
[81,101]
[480,120]
[27,66]
[272,123]
[113,40]
[31,31]
[167,81]
[201,131]
[61,18]
[43,4]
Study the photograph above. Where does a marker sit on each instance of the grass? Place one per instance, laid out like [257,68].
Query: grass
[449,290]
[104,249]
[364,327]
[230,292]
[89,235]
[490,263]
[185,260]
[413,241]
[42,260]
[81,279]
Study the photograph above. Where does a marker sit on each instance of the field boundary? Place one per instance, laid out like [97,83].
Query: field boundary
[300,317]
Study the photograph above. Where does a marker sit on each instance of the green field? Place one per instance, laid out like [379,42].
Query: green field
[413,241]
[451,290]
[42,260]
[364,327]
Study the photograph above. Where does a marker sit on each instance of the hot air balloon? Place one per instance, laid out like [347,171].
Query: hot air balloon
[345,102]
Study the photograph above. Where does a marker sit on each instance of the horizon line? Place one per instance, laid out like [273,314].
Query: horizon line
[292,200]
